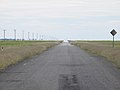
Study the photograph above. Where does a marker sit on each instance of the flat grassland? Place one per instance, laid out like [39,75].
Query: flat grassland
[102,48]
[11,52]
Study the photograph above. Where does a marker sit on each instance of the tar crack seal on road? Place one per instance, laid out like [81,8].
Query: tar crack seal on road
[68,82]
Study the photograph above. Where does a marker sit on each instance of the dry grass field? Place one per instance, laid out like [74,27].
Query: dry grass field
[15,51]
[102,48]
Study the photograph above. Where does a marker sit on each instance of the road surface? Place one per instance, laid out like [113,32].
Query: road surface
[64,67]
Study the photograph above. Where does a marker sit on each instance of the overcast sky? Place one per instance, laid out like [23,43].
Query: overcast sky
[63,19]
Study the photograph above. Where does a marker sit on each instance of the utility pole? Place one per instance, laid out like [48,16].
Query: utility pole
[28,35]
[15,34]
[23,35]
[37,36]
[4,34]
[42,37]
[33,35]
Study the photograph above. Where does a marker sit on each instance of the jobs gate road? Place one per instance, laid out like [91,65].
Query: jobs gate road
[64,67]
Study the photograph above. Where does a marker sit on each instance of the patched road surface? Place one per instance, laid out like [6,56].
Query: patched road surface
[64,67]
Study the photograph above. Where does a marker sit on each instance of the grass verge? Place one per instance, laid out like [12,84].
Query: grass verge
[15,51]
[102,48]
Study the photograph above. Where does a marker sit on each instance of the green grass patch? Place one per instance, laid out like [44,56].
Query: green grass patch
[19,43]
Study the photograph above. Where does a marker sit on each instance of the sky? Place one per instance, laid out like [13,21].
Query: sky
[60,19]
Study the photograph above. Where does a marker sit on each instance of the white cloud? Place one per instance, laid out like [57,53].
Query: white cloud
[60,8]
[60,15]
[117,22]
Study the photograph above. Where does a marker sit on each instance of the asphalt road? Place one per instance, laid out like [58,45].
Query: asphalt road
[64,67]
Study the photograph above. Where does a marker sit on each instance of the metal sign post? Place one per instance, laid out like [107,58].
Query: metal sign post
[113,32]
[113,42]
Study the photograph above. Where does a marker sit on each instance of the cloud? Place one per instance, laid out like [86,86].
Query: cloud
[117,22]
[61,16]
[60,8]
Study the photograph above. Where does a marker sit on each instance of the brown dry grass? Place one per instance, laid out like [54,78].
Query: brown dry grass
[13,54]
[103,49]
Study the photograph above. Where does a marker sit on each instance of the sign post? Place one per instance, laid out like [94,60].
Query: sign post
[113,32]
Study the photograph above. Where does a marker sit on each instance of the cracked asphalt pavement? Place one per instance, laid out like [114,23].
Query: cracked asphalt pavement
[64,67]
